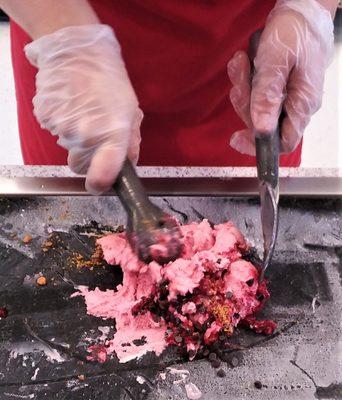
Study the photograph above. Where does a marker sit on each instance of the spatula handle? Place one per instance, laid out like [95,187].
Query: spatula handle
[267,154]
[267,144]
[131,192]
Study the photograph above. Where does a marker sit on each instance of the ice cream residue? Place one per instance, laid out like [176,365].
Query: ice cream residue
[23,348]
[34,376]
[192,391]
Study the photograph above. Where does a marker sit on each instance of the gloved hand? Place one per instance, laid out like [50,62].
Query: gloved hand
[84,96]
[294,51]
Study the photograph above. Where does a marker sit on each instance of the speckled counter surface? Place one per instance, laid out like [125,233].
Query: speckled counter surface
[186,172]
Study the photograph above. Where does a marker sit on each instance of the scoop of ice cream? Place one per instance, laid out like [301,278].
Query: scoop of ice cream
[189,302]
[196,237]
[189,308]
[242,282]
[227,239]
[183,277]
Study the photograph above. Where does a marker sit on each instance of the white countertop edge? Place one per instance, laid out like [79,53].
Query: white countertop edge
[170,172]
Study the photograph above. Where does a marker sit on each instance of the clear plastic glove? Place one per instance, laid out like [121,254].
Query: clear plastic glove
[84,96]
[295,49]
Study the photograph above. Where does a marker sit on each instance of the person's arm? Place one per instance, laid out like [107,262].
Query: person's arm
[42,17]
[83,92]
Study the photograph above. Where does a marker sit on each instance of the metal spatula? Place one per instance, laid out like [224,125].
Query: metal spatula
[152,234]
[267,155]
[267,152]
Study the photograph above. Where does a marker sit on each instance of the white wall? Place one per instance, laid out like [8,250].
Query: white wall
[323,137]
[9,140]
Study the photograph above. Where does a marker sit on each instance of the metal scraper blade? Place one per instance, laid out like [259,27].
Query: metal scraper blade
[269,221]
[267,152]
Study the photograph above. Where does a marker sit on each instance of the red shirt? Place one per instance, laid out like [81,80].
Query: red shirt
[176,53]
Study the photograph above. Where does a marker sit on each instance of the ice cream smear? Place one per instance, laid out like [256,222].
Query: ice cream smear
[190,303]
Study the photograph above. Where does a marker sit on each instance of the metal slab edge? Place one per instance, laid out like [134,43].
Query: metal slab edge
[229,187]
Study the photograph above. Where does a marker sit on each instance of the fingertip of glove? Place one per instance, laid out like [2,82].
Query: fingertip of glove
[289,146]
[243,142]
[235,94]
[234,140]
[93,190]
[104,169]
[291,135]
[97,184]
[264,122]
[234,62]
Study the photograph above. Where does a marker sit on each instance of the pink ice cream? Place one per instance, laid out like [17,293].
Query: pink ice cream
[189,303]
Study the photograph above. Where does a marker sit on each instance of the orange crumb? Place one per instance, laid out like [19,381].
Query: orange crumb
[27,239]
[41,281]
